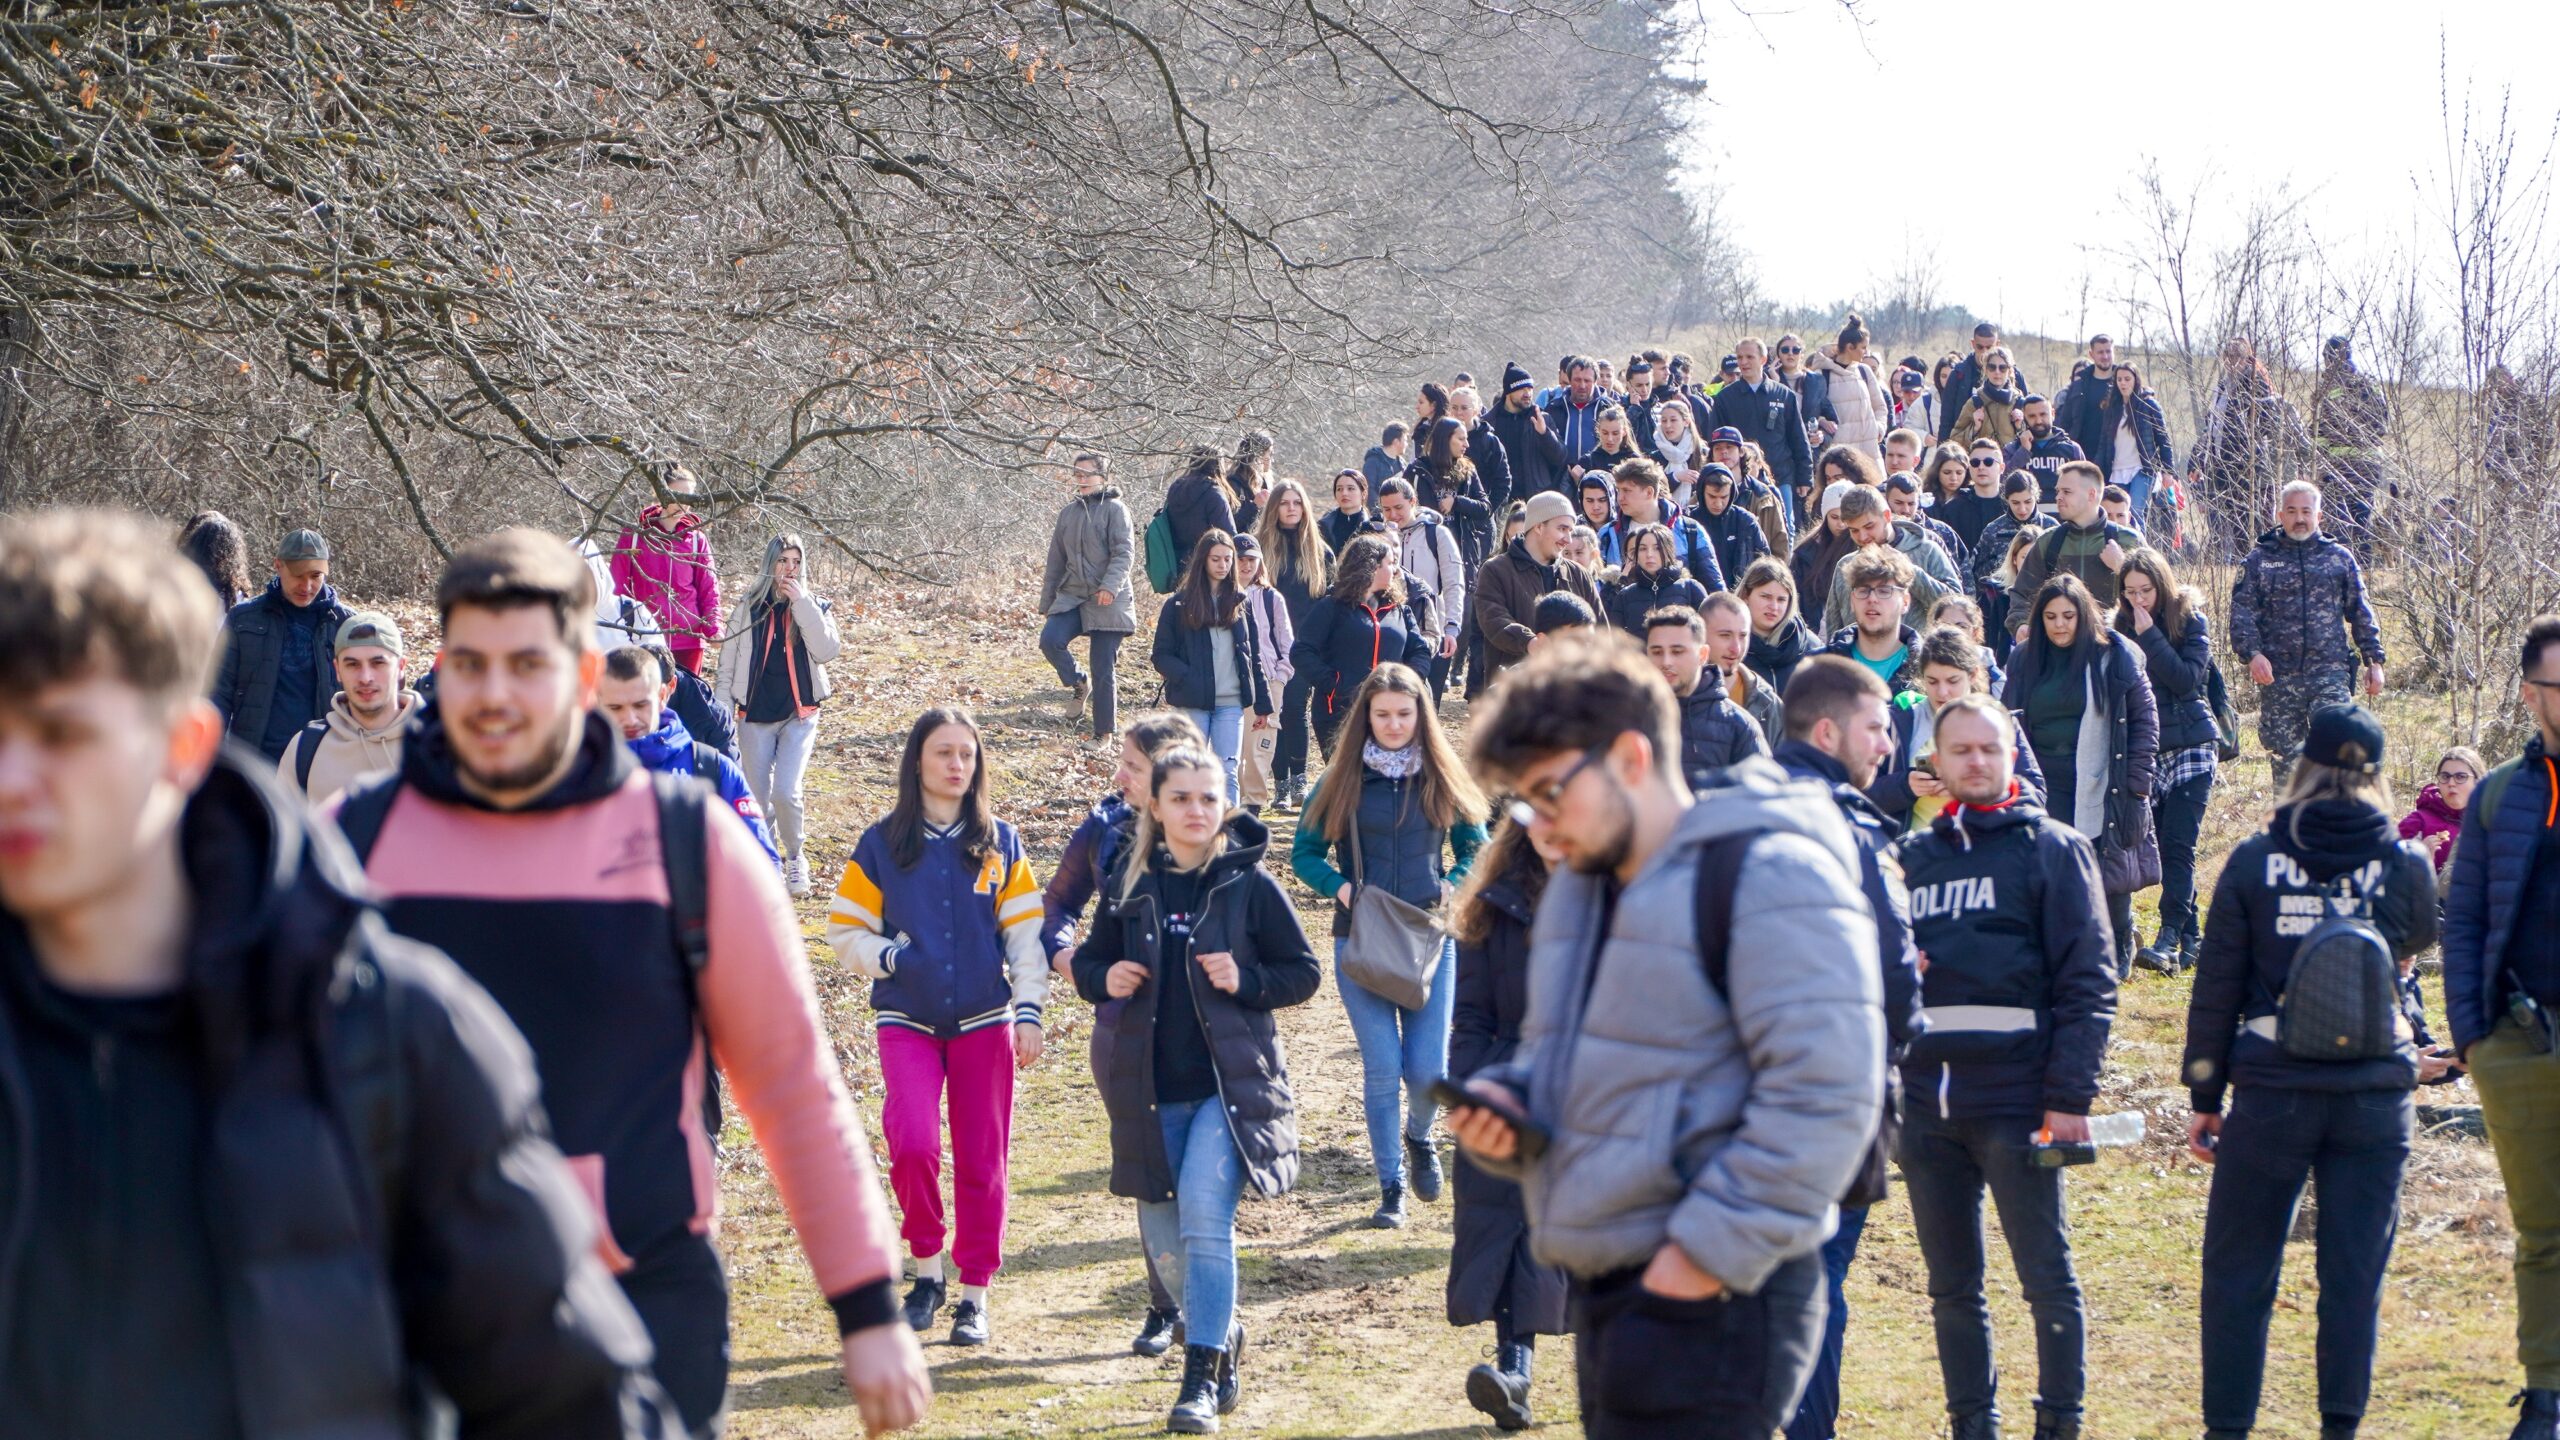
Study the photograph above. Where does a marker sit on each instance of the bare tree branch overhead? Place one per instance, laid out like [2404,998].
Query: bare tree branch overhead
[442,263]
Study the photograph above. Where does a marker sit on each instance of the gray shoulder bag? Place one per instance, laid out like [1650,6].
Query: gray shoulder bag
[1393,947]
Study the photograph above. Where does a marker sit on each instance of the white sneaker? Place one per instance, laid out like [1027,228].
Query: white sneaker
[795,877]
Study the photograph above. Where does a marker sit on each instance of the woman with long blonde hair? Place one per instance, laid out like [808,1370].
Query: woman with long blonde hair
[1400,809]
[1299,564]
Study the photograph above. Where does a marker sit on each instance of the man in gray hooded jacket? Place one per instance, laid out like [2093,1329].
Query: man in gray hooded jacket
[1697,1136]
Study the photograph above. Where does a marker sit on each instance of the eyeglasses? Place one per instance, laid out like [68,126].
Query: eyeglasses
[1875,592]
[1991,464]
[1539,801]
[2448,777]
[2543,684]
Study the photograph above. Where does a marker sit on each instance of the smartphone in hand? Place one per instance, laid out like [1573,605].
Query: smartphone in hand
[1532,1135]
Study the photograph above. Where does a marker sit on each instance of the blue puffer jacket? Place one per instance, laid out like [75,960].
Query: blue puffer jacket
[2491,868]
[1400,848]
[671,749]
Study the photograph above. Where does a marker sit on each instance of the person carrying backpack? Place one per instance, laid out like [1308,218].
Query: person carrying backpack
[773,677]
[514,838]
[629,697]
[2300,1061]
[1712,964]
[268,1170]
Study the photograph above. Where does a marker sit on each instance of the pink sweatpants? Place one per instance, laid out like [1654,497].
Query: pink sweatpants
[978,1069]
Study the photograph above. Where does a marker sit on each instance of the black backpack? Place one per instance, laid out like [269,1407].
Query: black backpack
[306,748]
[2341,996]
[1719,875]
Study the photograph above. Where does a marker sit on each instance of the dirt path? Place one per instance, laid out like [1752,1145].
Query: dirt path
[1349,1338]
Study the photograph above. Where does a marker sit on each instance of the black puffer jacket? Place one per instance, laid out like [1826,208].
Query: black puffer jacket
[371,1196]
[1246,914]
[2180,669]
[1193,506]
[1715,732]
[1777,655]
[2128,849]
[254,635]
[2250,939]
[1638,594]
[1186,656]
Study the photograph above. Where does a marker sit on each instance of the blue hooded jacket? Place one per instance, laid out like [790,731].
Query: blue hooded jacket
[672,749]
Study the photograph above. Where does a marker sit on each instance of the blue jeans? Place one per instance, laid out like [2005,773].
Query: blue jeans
[1065,626]
[1818,1414]
[1225,728]
[1191,1238]
[1403,1050]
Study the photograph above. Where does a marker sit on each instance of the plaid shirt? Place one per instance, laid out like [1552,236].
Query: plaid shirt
[2180,766]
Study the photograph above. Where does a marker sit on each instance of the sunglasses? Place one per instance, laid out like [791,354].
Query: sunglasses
[1997,369]
[1790,349]
[1991,464]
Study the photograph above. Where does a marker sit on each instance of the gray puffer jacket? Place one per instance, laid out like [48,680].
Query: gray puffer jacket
[1089,552]
[1727,1127]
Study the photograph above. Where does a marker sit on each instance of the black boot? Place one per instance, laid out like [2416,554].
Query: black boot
[1422,1167]
[2160,957]
[1196,1411]
[1231,1371]
[1980,1425]
[2190,944]
[1390,1212]
[1501,1389]
[2541,1417]
[2219,1433]
[1156,1336]
[2339,1427]
[2053,1426]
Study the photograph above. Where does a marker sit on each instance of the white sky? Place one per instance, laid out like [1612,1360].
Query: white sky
[2342,99]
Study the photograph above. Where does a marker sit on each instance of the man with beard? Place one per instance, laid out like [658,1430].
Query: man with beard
[361,736]
[1717,960]
[2041,449]
[635,932]
[1537,457]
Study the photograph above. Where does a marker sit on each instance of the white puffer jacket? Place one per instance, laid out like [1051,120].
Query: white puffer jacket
[1857,399]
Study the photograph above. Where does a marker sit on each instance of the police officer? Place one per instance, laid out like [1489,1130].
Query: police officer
[2017,985]
[2299,616]
[2349,1119]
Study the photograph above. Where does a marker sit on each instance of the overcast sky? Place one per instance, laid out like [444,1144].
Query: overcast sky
[2340,99]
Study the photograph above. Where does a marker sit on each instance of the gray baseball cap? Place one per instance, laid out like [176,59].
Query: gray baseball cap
[303,545]
[370,627]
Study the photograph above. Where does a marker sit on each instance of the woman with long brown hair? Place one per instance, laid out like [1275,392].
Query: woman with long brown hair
[2166,622]
[1299,565]
[1366,620]
[2086,702]
[939,910]
[1401,810]
[1207,652]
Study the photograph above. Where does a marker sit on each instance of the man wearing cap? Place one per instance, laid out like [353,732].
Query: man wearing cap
[360,736]
[1765,409]
[1510,585]
[1537,458]
[1724,447]
[2349,417]
[278,650]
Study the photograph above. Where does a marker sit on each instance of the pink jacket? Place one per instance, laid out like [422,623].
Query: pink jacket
[2434,822]
[666,565]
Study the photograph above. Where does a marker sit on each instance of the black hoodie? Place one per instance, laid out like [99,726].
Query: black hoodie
[196,1238]
[2250,940]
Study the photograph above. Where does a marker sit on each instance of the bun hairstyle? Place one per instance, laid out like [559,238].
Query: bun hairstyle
[1854,331]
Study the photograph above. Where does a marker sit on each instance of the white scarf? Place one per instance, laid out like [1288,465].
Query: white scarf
[1393,764]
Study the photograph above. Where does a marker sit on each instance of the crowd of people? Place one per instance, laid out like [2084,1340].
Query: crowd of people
[1822,721]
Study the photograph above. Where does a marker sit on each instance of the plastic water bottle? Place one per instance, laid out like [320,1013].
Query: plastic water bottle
[2123,1128]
